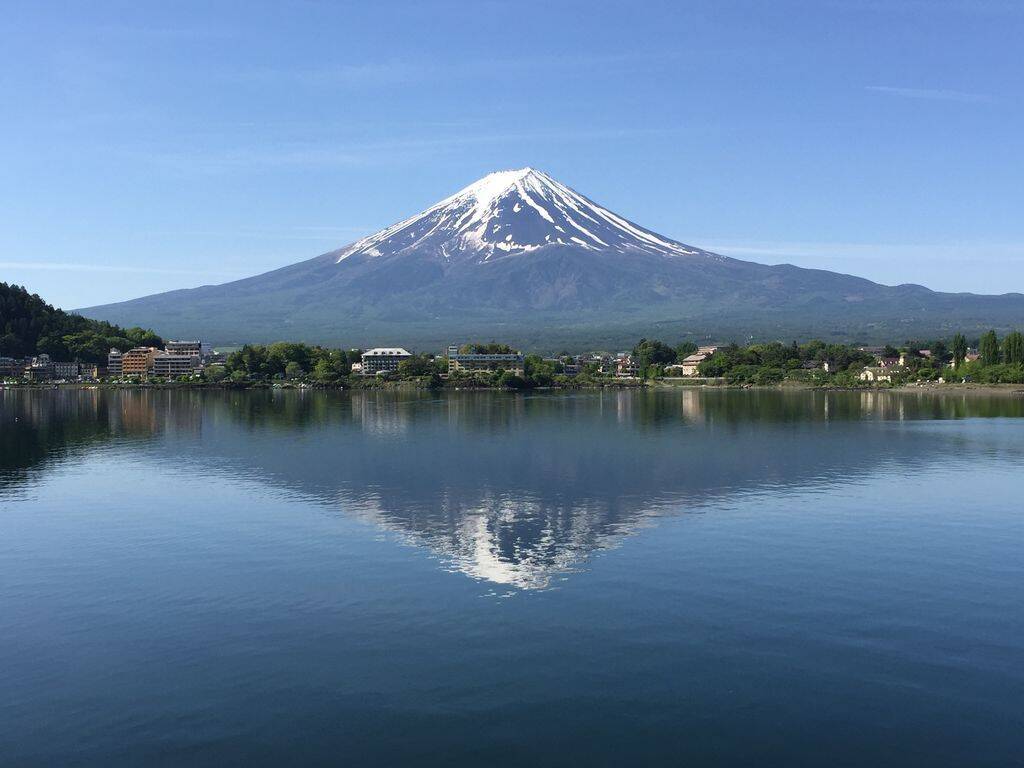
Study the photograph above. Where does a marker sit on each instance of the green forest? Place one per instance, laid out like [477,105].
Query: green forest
[29,326]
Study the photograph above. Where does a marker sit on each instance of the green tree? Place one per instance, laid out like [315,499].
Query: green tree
[720,363]
[540,372]
[959,350]
[215,373]
[324,370]
[685,349]
[988,348]
[491,348]
[417,365]
[29,326]
[293,370]
[509,380]
[653,352]
[1013,348]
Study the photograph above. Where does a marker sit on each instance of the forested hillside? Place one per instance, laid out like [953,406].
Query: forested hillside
[30,326]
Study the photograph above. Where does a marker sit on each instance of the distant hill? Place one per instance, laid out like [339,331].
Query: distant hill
[30,326]
[520,257]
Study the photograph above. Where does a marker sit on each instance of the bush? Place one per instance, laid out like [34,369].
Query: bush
[509,380]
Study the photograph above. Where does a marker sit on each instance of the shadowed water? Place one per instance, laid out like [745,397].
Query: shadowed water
[682,576]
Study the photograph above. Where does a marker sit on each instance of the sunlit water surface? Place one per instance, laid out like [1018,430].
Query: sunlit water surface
[678,577]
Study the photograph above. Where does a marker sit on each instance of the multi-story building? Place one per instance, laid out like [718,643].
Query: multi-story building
[165,364]
[40,369]
[470,362]
[188,348]
[138,361]
[114,359]
[383,360]
[65,370]
[179,358]
[10,366]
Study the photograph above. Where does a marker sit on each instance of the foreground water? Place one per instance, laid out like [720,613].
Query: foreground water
[678,577]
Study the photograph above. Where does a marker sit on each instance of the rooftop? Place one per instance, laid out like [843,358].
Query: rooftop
[387,352]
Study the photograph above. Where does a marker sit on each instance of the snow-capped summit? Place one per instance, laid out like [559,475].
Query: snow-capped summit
[508,213]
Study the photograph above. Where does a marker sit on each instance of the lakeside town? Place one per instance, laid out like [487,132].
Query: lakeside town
[41,345]
[494,365]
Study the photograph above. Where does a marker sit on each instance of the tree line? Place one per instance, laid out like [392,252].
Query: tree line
[29,326]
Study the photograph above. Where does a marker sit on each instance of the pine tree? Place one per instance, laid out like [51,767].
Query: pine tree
[988,348]
[1013,348]
[959,350]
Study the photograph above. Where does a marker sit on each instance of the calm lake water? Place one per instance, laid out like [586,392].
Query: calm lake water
[677,577]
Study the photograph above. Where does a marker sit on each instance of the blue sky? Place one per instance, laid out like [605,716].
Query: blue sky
[150,146]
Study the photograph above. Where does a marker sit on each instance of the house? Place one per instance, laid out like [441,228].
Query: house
[888,362]
[876,375]
[605,363]
[383,360]
[690,363]
[904,356]
[626,367]
[675,369]
[471,362]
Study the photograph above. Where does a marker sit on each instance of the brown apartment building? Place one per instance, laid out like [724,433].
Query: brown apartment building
[138,361]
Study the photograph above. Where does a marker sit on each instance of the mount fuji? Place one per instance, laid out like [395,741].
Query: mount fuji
[520,257]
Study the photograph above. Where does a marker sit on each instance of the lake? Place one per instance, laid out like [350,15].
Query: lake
[679,576]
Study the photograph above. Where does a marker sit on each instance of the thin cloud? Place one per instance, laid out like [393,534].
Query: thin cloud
[929,94]
[831,251]
[321,155]
[407,72]
[67,266]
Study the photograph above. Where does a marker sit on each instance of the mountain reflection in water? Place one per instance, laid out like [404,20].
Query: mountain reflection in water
[507,488]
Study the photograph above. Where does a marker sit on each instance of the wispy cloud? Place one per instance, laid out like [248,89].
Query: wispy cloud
[956,266]
[68,266]
[825,251]
[354,154]
[929,94]
[845,251]
[409,72]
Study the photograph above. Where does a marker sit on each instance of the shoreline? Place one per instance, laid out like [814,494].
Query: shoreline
[952,388]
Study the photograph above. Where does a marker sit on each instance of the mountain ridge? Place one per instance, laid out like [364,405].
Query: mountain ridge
[519,255]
